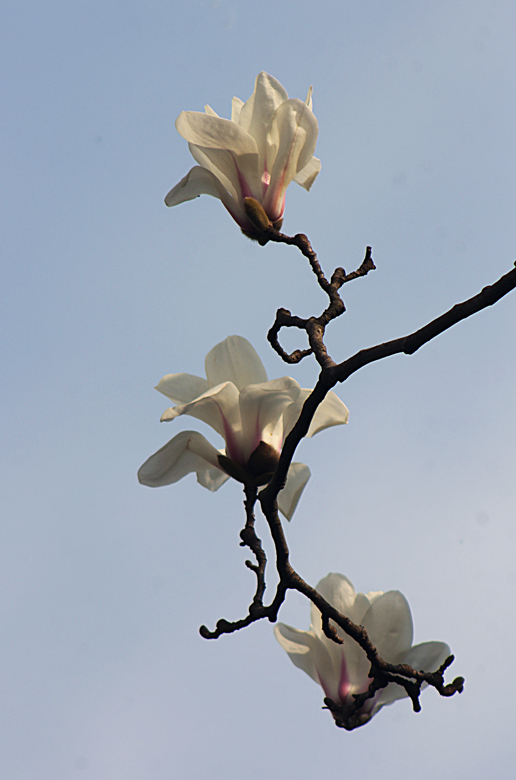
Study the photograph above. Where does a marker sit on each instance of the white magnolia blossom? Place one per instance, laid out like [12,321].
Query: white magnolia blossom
[268,142]
[342,670]
[252,414]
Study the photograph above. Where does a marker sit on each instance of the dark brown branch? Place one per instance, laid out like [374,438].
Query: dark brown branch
[382,673]
[251,540]
[347,716]
[314,326]
[338,373]
[411,343]
[257,609]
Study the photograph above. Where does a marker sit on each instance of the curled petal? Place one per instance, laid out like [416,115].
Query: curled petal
[199,181]
[236,108]
[187,452]
[234,360]
[217,407]
[330,412]
[237,173]
[182,388]
[288,498]
[291,144]
[306,177]
[213,132]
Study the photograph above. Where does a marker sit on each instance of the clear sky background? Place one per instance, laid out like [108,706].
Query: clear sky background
[104,583]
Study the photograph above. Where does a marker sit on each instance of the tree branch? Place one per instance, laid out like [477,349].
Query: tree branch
[348,716]
[314,326]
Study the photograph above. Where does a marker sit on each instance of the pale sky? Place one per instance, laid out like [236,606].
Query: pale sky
[104,583]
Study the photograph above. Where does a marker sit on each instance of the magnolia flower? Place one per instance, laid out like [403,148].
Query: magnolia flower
[343,670]
[268,142]
[252,414]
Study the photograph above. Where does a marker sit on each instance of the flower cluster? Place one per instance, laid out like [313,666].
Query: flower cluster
[343,669]
[251,413]
[268,142]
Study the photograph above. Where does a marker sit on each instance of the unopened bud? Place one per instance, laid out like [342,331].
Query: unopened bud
[256,213]
[262,463]
[232,468]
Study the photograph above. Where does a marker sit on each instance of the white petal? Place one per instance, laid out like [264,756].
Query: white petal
[334,650]
[199,181]
[229,150]
[217,407]
[373,595]
[256,115]
[312,656]
[390,693]
[306,177]
[196,182]
[187,452]
[234,360]
[426,657]
[330,412]
[212,478]
[213,132]
[236,107]
[338,591]
[291,144]
[309,101]
[238,174]
[209,110]
[288,498]
[261,409]
[182,388]
[389,624]
[296,644]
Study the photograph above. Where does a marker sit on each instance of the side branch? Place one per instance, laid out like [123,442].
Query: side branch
[351,715]
[257,609]
[411,343]
[315,326]
[336,373]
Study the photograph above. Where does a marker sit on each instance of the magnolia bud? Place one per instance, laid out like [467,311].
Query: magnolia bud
[232,468]
[256,213]
[262,463]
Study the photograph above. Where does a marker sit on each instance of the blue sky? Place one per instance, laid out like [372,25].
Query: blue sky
[104,290]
